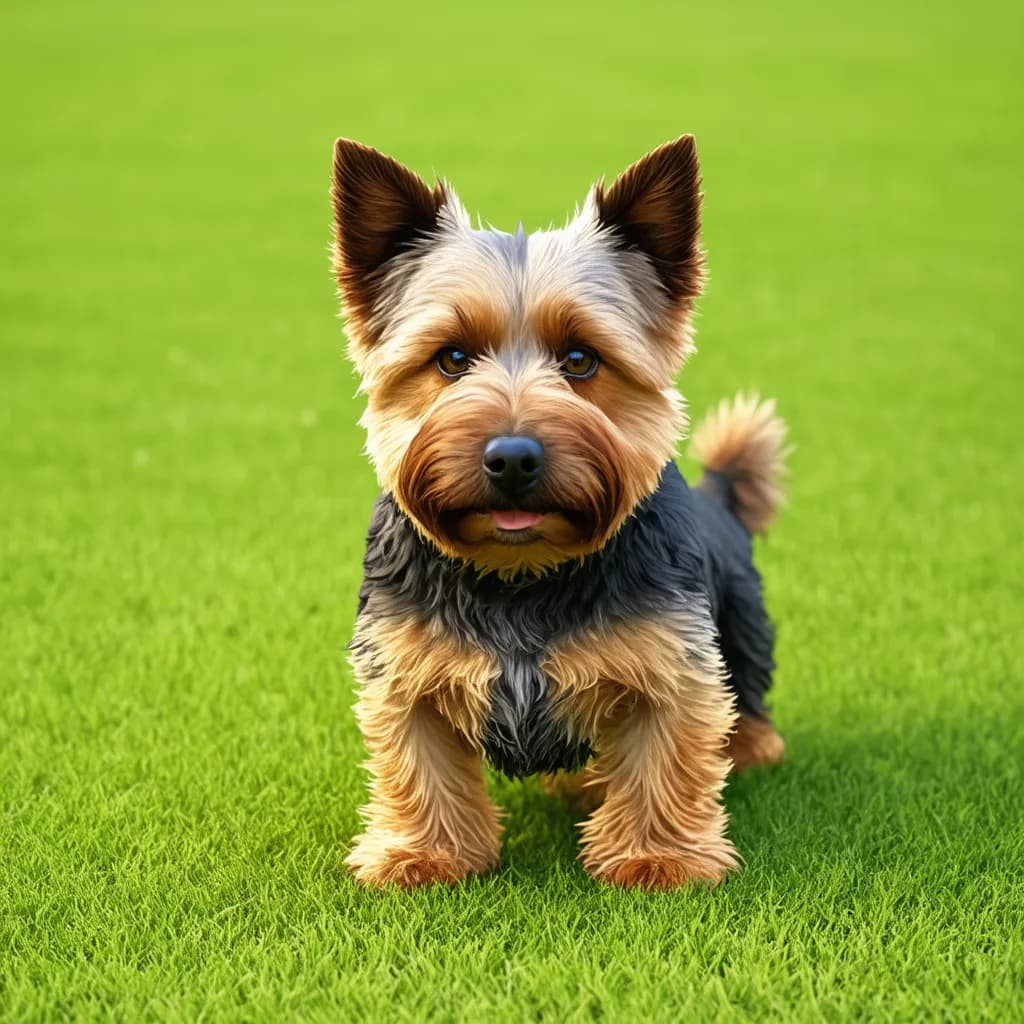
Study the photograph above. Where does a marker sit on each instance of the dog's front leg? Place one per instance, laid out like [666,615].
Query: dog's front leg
[429,818]
[662,824]
[652,696]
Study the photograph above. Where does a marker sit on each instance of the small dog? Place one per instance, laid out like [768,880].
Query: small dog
[541,588]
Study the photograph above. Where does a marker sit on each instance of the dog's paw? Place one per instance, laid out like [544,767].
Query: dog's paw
[661,870]
[379,860]
[755,742]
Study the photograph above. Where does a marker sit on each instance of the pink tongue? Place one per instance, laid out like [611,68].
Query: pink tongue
[514,519]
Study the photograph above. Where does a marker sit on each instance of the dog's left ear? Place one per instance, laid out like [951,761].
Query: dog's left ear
[654,207]
[380,209]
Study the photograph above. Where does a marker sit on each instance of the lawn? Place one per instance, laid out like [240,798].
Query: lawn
[184,498]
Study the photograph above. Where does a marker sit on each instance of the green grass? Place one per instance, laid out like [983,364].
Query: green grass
[184,500]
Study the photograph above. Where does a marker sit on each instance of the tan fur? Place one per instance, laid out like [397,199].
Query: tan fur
[744,440]
[420,709]
[660,716]
[440,486]
[754,743]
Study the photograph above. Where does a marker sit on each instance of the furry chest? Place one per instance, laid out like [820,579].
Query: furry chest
[523,733]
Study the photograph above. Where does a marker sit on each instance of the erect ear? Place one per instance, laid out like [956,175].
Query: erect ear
[654,206]
[380,207]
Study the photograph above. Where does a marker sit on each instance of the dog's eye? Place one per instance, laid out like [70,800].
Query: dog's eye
[579,363]
[452,361]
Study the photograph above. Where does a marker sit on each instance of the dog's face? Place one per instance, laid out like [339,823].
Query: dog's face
[520,394]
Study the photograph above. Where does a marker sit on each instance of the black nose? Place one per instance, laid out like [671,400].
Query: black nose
[513,464]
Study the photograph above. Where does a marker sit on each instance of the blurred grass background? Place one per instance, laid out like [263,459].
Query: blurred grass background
[184,501]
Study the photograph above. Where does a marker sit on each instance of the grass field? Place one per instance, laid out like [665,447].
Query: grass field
[184,500]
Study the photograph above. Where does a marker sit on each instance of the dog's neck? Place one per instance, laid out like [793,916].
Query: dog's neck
[653,561]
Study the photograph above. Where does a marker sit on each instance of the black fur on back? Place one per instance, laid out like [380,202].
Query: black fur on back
[678,551]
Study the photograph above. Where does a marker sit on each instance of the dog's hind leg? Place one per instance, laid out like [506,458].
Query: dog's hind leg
[755,742]
[582,789]
[748,639]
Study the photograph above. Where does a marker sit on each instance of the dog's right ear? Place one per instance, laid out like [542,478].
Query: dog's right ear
[380,208]
[654,207]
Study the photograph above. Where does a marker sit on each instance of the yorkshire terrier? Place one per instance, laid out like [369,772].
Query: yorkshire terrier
[542,590]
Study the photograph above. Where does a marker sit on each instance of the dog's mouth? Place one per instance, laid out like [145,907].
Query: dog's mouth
[515,520]
[514,525]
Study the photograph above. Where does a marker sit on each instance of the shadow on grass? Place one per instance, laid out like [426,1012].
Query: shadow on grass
[879,796]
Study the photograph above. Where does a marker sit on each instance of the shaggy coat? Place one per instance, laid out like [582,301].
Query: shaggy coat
[542,591]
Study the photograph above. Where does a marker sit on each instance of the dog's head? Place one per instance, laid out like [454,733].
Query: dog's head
[520,393]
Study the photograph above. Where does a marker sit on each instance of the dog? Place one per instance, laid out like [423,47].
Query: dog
[542,590]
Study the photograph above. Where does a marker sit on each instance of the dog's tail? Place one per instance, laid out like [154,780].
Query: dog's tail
[741,447]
